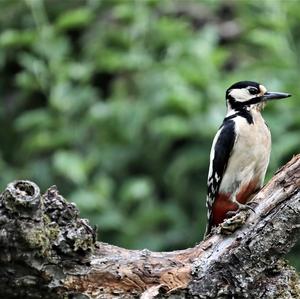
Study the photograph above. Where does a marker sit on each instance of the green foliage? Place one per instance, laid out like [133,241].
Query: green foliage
[117,102]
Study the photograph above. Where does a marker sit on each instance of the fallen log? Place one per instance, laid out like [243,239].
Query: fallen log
[48,251]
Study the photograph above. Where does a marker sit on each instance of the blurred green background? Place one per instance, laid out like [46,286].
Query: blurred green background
[117,103]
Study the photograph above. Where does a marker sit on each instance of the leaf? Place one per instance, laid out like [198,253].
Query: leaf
[75,18]
[16,38]
[71,166]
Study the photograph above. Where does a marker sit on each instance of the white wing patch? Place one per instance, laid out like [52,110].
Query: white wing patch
[212,154]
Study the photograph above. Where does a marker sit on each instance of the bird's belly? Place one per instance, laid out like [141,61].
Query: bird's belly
[249,159]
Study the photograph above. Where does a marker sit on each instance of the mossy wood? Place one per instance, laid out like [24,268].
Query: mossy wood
[48,251]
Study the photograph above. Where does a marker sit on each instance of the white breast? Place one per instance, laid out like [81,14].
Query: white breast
[250,155]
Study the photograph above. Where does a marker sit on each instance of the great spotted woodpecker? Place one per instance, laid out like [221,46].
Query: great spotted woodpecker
[240,151]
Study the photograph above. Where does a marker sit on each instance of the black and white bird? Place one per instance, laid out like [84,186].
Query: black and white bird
[240,151]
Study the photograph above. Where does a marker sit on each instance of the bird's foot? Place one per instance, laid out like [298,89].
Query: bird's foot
[230,225]
[241,207]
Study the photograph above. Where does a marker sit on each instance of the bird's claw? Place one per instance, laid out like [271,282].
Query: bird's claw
[241,207]
[246,207]
[230,225]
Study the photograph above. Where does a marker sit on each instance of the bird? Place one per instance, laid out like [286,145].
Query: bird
[240,152]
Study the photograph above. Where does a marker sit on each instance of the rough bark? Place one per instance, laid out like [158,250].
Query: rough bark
[48,251]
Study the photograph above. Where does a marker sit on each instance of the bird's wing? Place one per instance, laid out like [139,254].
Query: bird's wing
[220,153]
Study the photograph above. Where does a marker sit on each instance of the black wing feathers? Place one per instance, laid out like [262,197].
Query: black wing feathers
[222,152]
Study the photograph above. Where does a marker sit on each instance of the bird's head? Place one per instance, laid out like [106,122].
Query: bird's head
[244,94]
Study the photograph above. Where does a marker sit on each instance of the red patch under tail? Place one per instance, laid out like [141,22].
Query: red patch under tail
[222,204]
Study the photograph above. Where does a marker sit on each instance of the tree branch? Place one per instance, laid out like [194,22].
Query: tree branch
[48,251]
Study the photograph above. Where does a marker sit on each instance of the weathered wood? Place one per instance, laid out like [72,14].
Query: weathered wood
[48,251]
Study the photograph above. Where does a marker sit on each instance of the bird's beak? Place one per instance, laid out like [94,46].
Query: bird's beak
[268,96]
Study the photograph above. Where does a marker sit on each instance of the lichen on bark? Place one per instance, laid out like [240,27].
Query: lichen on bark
[37,234]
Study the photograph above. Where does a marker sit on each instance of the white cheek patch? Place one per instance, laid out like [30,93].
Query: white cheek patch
[240,94]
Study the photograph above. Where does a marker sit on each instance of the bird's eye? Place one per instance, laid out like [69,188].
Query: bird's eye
[253,90]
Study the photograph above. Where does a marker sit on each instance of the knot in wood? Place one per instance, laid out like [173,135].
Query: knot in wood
[23,198]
